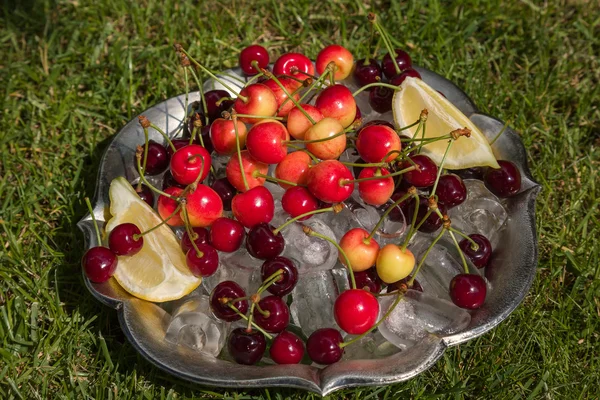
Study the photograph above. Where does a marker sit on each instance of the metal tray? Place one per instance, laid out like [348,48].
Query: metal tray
[144,323]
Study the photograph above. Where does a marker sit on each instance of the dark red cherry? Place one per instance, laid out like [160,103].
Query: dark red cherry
[298,200]
[409,72]
[368,280]
[471,173]
[225,191]
[403,285]
[224,292]
[402,208]
[226,234]
[158,159]
[246,347]
[201,238]
[365,73]
[451,190]
[263,243]
[380,99]
[277,316]
[402,59]
[213,97]
[468,291]
[99,264]
[178,144]
[286,283]
[145,194]
[480,256]
[122,240]
[169,181]
[422,177]
[287,348]
[433,222]
[253,53]
[504,181]
[323,346]
[379,122]
[203,264]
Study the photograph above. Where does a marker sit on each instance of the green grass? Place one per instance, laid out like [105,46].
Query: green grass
[73,72]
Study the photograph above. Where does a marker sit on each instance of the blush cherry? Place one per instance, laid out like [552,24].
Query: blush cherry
[249,55]
[278,314]
[122,239]
[262,243]
[246,347]
[468,291]
[224,292]
[323,346]
[287,281]
[402,59]
[480,256]
[203,264]
[504,181]
[287,348]
[365,73]
[226,234]
[201,238]
[99,264]
[451,190]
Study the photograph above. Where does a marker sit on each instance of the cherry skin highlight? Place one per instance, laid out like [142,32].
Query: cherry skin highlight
[186,164]
[294,64]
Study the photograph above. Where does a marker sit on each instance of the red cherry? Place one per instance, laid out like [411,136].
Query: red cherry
[287,281]
[122,241]
[287,348]
[376,142]
[166,206]
[263,243]
[250,166]
[266,142]
[186,164]
[224,292]
[99,264]
[323,346]
[337,102]
[283,104]
[253,53]
[203,206]
[402,59]
[226,234]
[378,191]
[325,181]
[204,264]
[253,207]
[256,99]
[297,201]
[278,317]
[293,168]
[186,242]
[468,291]
[356,311]
[222,135]
[422,177]
[178,144]
[294,64]
[343,59]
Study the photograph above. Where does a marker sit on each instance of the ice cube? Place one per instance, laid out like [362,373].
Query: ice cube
[371,346]
[313,299]
[239,267]
[192,324]
[418,315]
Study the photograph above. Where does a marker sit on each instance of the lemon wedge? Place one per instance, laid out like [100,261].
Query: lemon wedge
[414,96]
[158,272]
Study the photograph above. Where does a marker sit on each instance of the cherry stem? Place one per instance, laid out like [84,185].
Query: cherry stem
[164,221]
[257,174]
[207,71]
[310,232]
[250,316]
[194,131]
[375,84]
[298,105]
[269,281]
[499,133]
[146,145]
[412,229]
[365,165]
[387,42]
[437,179]
[422,136]
[187,88]
[462,256]
[171,145]
[311,155]
[316,82]
[372,178]
[318,140]
[194,184]
[91,210]
[427,214]
[422,261]
[188,227]
[260,117]
[425,141]
[143,179]
[201,90]
[239,152]
[369,47]
[250,322]
[331,77]
[296,218]
[386,213]
[474,244]
[387,314]
[264,313]
[408,126]
[295,92]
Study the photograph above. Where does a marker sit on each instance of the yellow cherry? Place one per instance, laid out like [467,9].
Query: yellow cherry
[393,264]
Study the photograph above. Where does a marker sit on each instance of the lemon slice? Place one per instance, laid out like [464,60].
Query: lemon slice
[443,118]
[158,272]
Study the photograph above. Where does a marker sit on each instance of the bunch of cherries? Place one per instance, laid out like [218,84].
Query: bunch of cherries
[301,118]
